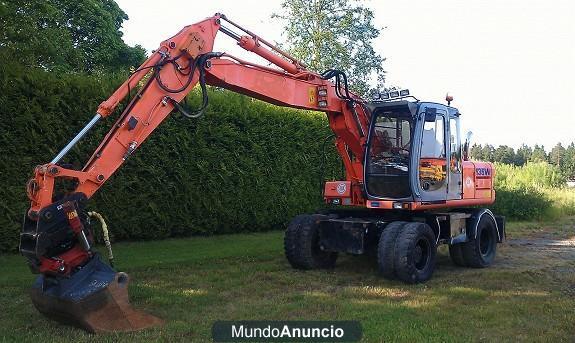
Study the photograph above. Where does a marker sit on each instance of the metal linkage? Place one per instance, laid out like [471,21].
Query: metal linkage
[75,140]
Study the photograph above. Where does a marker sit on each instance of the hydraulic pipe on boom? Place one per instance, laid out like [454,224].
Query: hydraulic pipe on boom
[76,139]
[298,65]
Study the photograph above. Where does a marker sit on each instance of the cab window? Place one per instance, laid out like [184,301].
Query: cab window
[432,164]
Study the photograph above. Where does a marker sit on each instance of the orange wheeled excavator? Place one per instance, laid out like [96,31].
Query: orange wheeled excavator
[409,185]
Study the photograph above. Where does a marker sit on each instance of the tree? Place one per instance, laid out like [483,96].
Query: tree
[66,35]
[539,154]
[334,34]
[476,152]
[556,156]
[488,153]
[523,155]
[569,158]
[504,154]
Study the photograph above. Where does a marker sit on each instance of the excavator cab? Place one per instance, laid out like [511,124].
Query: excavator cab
[413,152]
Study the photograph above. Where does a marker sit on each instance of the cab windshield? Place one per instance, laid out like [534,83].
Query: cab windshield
[389,154]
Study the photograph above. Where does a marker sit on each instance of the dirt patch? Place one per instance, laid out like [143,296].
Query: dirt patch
[539,245]
[532,253]
[561,248]
[546,254]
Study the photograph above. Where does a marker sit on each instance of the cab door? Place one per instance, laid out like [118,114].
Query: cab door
[433,164]
[455,185]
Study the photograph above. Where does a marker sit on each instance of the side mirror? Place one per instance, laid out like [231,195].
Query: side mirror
[466,145]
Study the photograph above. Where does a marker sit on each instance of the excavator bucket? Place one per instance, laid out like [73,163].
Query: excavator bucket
[95,299]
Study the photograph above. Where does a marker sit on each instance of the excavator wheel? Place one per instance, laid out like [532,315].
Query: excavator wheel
[415,252]
[301,244]
[94,298]
[480,251]
[386,249]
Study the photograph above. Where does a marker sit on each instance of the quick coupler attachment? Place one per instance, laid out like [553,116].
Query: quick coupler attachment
[75,287]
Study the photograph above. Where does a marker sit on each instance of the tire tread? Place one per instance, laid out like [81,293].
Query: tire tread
[405,269]
[386,249]
[298,244]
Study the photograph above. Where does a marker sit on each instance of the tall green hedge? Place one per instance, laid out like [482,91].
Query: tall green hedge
[244,166]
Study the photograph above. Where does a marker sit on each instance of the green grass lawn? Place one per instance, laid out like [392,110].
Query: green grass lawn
[528,294]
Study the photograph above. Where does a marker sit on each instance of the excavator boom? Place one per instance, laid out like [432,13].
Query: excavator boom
[56,239]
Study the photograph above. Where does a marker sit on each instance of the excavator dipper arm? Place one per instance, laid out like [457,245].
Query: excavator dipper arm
[74,285]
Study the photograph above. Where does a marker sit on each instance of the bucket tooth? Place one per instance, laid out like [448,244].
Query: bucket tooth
[94,299]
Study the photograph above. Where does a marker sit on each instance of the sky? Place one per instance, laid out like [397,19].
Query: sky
[509,64]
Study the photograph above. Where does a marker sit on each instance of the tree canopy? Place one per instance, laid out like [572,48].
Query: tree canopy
[334,34]
[66,35]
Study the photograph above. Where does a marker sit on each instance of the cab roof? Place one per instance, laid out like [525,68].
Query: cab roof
[411,105]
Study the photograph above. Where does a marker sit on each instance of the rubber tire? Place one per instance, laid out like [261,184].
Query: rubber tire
[291,241]
[456,255]
[301,245]
[405,248]
[386,249]
[472,249]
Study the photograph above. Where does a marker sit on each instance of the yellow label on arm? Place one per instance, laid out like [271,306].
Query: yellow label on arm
[311,95]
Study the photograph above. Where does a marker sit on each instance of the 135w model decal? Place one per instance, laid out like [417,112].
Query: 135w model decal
[483,171]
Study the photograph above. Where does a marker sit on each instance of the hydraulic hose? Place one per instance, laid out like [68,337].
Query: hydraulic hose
[105,234]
